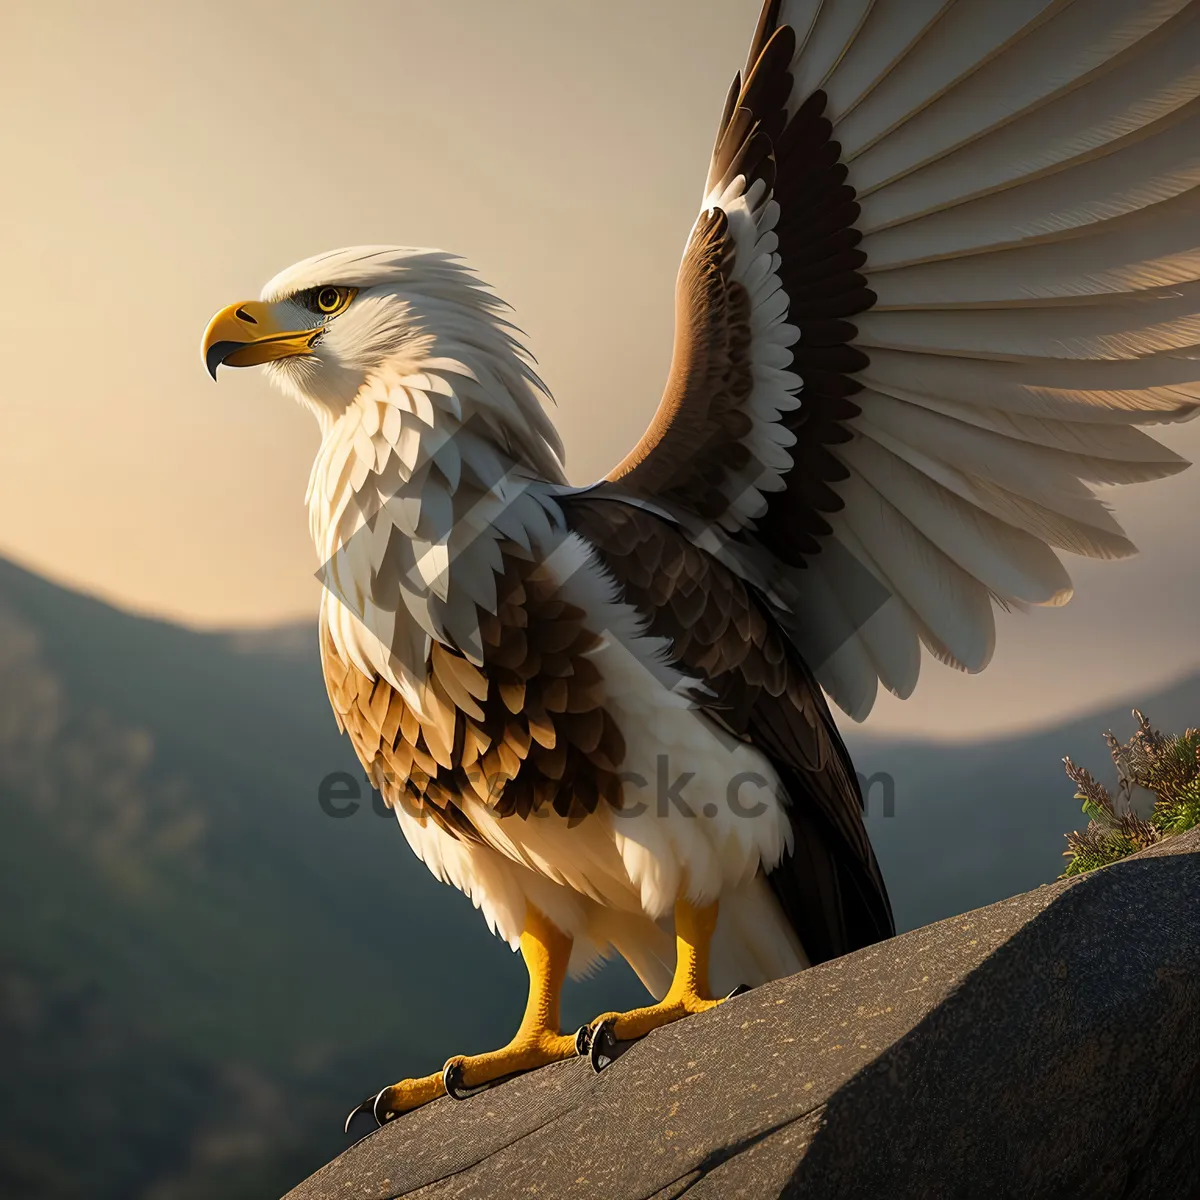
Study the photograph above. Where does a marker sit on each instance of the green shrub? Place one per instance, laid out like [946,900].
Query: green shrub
[1164,767]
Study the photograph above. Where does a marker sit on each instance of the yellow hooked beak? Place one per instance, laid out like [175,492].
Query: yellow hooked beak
[246,334]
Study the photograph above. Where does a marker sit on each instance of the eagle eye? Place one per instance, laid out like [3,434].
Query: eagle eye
[327,301]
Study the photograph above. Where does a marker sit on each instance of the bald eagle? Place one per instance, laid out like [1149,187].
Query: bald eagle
[945,265]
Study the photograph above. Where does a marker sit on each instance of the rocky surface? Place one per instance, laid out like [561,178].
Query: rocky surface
[1045,1046]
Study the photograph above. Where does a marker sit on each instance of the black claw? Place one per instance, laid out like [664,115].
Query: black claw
[382,1115]
[602,1046]
[367,1106]
[583,1040]
[740,990]
[452,1078]
[457,1090]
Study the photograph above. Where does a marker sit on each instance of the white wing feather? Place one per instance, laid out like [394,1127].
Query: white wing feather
[1028,173]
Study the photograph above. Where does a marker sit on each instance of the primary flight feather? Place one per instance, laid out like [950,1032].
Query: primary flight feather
[945,267]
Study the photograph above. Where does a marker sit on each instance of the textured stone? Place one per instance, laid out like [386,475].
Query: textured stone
[1045,1046]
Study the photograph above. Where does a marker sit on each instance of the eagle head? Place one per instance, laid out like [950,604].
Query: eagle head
[327,324]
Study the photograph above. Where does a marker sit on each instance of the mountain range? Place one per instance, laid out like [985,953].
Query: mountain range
[203,966]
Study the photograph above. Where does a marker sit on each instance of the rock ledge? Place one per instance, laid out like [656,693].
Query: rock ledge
[1045,1046]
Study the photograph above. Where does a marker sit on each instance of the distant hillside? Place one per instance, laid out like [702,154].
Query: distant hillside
[975,822]
[199,968]
[201,971]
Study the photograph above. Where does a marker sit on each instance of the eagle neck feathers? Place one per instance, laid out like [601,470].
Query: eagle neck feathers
[435,463]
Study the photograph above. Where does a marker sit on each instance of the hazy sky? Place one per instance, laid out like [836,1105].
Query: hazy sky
[163,160]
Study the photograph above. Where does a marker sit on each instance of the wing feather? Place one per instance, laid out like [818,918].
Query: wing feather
[965,39]
[891,634]
[947,266]
[1157,165]
[1009,562]
[1071,82]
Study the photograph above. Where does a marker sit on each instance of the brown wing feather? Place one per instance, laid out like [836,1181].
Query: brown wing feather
[693,443]
[680,454]
[526,730]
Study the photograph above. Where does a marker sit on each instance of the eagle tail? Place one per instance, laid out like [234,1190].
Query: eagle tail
[833,899]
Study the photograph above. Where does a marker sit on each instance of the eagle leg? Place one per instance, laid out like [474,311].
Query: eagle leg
[689,991]
[546,950]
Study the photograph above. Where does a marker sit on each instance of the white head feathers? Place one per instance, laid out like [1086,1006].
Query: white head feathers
[412,307]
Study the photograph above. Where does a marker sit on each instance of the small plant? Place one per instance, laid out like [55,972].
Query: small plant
[1158,795]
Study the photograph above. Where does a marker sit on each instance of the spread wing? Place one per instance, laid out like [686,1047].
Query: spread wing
[947,265]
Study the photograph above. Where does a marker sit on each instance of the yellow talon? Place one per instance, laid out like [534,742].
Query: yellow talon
[546,950]
[469,1071]
[409,1094]
[689,992]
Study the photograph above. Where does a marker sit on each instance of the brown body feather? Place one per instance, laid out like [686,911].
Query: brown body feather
[528,729]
